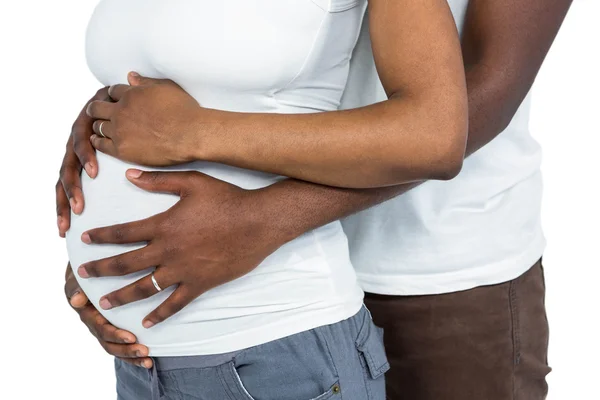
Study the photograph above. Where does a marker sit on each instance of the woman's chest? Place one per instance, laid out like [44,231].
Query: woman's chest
[230,45]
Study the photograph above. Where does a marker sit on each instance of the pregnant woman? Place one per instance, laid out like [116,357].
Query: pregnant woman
[295,326]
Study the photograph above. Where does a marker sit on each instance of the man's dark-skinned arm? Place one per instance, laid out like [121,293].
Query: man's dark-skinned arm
[504,45]
[264,214]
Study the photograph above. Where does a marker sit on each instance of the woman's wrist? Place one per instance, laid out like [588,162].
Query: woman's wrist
[206,135]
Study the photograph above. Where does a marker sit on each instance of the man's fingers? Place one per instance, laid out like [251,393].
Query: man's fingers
[122,264]
[63,210]
[111,334]
[130,232]
[164,182]
[68,272]
[71,182]
[74,294]
[116,92]
[92,318]
[99,109]
[171,306]
[125,350]
[138,362]
[138,290]
[102,329]
[71,285]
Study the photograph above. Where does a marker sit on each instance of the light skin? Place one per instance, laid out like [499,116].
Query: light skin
[500,68]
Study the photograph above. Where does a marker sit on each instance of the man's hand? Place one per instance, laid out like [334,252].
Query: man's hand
[118,342]
[79,153]
[214,234]
[152,122]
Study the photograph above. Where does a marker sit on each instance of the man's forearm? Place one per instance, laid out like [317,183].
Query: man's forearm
[300,206]
[503,52]
[296,207]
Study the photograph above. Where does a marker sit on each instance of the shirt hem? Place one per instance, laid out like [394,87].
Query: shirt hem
[448,282]
[245,339]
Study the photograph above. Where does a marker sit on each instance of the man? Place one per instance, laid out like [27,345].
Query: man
[451,269]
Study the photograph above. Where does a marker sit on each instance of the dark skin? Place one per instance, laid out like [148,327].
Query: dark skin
[388,143]
[504,45]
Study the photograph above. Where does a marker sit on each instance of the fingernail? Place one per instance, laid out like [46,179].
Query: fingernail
[139,354]
[72,299]
[134,74]
[82,272]
[105,304]
[89,168]
[73,203]
[133,173]
[146,364]
[148,324]
[127,339]
[85,238]
[59,221]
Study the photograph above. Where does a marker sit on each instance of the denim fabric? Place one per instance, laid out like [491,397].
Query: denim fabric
[344,361]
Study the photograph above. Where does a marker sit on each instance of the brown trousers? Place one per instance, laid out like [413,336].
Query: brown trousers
[487,343]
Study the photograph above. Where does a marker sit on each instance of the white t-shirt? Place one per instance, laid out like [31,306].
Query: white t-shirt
[481,228]
[280,56]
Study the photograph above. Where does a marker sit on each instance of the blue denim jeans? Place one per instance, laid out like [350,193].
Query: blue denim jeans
[344,361]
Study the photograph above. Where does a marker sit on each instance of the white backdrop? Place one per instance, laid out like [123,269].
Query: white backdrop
[45,81]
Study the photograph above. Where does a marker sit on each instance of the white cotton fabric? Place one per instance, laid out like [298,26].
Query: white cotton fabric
[279,56]
[481,228]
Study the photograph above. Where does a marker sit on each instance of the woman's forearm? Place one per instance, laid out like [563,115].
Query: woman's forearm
[397,141]
[418,134]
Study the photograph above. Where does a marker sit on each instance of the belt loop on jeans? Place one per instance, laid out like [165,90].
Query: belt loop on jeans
[155,386]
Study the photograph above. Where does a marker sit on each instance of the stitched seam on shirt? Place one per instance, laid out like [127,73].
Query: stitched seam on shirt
[324,8]
[308,55]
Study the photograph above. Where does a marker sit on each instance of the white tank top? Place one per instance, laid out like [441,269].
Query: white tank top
[480,228]
[280,56]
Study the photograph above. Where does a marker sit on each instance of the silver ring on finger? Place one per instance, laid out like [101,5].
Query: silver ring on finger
[100,129]
[156,285]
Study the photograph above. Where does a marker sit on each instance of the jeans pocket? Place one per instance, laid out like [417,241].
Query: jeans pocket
[370,346]
[373,359]
[238,391]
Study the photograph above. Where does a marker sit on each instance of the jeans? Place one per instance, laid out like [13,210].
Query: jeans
[345,360]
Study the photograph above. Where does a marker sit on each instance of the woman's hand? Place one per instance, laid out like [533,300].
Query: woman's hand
[214,234]
[153,122]
[117,342]
[79,154]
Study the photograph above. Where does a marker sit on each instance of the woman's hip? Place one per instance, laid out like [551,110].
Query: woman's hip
[343,358]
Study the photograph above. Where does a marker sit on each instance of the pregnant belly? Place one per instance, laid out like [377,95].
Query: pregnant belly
[296,275]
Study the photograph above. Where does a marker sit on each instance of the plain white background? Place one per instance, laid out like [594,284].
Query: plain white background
[48,353]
